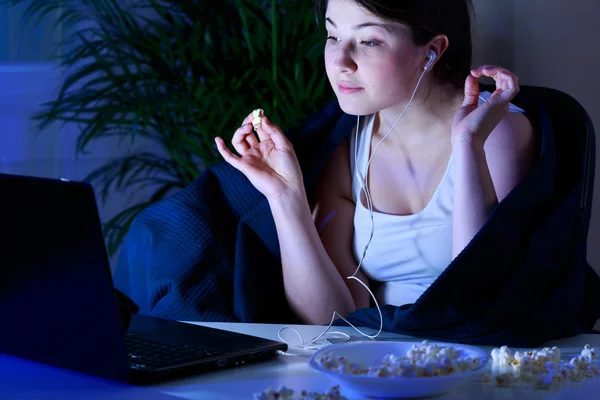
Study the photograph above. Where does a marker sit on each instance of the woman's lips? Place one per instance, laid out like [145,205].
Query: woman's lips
[347,88]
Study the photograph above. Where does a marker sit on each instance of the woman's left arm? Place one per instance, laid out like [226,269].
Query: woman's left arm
[493,151]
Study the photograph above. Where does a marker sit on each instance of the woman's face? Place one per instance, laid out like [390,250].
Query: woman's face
[371,63]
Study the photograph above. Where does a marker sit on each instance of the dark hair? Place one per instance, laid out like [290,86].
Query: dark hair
[425,19]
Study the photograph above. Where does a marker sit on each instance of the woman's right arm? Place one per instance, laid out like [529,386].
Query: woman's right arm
[316,250]
[315,264]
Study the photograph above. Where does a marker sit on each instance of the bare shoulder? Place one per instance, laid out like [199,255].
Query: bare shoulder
[515,128]
[511,152]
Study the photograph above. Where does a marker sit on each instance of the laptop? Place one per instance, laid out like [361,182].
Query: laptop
[59,307]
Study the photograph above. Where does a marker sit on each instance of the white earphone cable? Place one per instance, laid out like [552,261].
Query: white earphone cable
[364,188]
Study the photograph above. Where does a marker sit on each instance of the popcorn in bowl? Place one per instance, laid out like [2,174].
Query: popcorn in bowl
[421,360]
[376,368]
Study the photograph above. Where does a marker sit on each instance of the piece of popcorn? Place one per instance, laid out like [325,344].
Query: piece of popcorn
[258,114]
[394,361]
[356,368]
[516,363]
[431,350]
[378,372]
[588,352]
[557,354]
[502,356]
[576,362]
[541,358]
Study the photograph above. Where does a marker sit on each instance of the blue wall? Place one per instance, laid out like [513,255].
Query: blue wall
[28,77]
[20,42]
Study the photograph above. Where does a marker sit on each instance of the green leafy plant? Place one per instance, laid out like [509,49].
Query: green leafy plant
[178,73]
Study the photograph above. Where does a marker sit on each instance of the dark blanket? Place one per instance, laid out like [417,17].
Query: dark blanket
[210,252]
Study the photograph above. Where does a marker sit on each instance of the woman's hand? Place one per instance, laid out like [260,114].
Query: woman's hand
[474,123]
[269,162]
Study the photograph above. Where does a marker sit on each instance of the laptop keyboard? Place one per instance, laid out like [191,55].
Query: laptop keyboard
[148,354]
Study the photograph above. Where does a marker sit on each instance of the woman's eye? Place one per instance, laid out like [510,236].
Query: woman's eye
[370,43]
[335,39]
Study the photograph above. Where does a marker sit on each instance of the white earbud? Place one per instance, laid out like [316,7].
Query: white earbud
[432,57]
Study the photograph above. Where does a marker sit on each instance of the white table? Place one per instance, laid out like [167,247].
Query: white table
[27,380]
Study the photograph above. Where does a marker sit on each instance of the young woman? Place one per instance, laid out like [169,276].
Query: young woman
[449,156]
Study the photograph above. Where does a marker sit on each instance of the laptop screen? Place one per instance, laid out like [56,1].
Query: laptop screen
[56,293]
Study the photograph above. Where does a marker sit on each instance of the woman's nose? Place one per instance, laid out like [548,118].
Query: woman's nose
[344,60]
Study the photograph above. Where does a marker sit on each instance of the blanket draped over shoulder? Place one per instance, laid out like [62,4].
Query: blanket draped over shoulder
[210,252]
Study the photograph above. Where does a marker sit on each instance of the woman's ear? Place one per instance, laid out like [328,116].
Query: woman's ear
[438,44]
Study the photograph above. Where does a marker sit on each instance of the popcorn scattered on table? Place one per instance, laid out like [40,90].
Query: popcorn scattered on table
[588,352]
[285,393]
[543,367]
[423,360]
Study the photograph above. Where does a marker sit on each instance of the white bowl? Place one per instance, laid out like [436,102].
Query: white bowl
[371,353]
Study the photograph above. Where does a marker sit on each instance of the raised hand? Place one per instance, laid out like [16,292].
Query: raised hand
[473,122]
[269,161]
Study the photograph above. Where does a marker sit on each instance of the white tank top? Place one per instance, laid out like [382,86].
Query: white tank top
[407,252]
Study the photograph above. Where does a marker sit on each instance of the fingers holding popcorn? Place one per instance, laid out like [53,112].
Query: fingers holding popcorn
[274,133]
[266,130]
[243,139]
[269,161]
[507,83]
